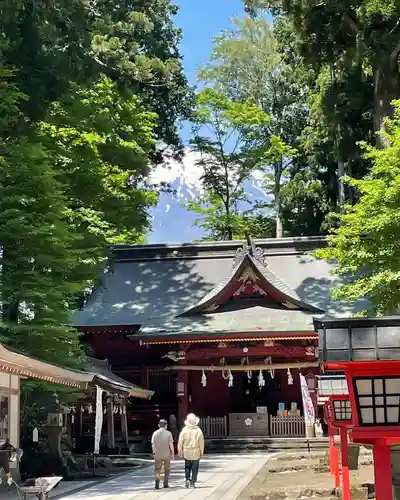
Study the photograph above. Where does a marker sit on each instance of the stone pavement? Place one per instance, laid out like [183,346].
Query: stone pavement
[221,477]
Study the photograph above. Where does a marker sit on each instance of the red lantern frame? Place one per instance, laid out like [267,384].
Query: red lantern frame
[343,425]
[333,450]
[380,434]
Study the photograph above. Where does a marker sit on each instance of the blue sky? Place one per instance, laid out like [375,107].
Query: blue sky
[201,20]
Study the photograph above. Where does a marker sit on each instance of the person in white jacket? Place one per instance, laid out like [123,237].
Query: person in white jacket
[191,448]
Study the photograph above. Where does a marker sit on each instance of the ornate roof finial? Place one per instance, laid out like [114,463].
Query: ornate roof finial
[249,248]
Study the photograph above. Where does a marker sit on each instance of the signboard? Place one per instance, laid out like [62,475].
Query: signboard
[99,419]
[308,407]
[262,409]
[180,389]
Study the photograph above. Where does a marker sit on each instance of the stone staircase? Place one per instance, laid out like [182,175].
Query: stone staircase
[254,445]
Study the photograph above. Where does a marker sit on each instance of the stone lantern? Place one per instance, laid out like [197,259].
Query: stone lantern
[54,429]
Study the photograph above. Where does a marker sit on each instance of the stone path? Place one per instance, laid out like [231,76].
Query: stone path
[221,477]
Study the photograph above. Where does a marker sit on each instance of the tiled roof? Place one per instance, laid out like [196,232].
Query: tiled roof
[151,285]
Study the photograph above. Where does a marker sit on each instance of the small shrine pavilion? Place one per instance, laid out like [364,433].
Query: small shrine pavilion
[15,366]
[221,329]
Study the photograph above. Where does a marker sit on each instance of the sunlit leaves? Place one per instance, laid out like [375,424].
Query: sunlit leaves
[366,246]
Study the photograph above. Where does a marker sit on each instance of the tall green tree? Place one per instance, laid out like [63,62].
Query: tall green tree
[365,245]
[223,133]
[364,31]
[136,43]
[103,160]
[247,65]
[38,255]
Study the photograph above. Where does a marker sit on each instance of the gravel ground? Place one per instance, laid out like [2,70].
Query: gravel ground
[289,476]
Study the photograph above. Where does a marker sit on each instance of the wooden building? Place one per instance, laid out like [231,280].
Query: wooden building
[13,367]
[221,329]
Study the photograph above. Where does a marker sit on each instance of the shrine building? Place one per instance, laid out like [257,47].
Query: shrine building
[221,329]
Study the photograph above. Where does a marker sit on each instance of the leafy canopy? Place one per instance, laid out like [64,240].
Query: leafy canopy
[223,134]
[366,244]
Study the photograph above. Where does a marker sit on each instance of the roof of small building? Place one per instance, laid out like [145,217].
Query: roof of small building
[25,366]
[97,372]
[163,289]
[107,380]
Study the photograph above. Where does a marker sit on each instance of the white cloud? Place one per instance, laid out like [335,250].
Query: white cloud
[187,172]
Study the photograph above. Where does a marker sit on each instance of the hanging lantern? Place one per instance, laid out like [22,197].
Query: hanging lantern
[261,381]
[230,379]
[272,373]
[203,379]
[289,377]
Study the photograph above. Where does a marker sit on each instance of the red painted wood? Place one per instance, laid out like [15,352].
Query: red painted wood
[183,408]
[346,495]
[255,334]
[276,350]
[382,472]
[212,400]
[336,455]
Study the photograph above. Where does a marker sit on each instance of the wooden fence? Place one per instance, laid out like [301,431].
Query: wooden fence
[214,427]
[287,426]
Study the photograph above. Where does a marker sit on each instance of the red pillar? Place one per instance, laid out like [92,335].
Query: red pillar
[336,466]
[345,464]
[333,457]
[382,472]
[183,399]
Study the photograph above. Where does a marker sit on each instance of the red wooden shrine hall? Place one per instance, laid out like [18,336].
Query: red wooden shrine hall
[221,329]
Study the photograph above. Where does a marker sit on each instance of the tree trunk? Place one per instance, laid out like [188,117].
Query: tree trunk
[278,207]
[386,88]
[338,140]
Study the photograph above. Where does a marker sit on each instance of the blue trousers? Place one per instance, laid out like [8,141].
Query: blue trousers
[192,470]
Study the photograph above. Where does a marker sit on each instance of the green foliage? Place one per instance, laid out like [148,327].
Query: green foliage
[247,65]
[102,140]
[365,245]
[216,222]
[363,33]
[87,92]
[223,134]
[136,43]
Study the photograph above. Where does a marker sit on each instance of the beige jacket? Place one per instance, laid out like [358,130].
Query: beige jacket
[191,442]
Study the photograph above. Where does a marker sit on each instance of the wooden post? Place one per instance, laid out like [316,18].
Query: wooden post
[345,464]
[78,420]
[124,424]
[382,472]
[334,457]
[183,399]
[110,423]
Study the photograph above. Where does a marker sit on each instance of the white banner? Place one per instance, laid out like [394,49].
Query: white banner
[308,407]
[99,419]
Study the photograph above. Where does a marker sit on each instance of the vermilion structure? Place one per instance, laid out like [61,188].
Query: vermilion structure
[367,350]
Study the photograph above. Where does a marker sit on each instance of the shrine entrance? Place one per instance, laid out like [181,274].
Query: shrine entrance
[247,394]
